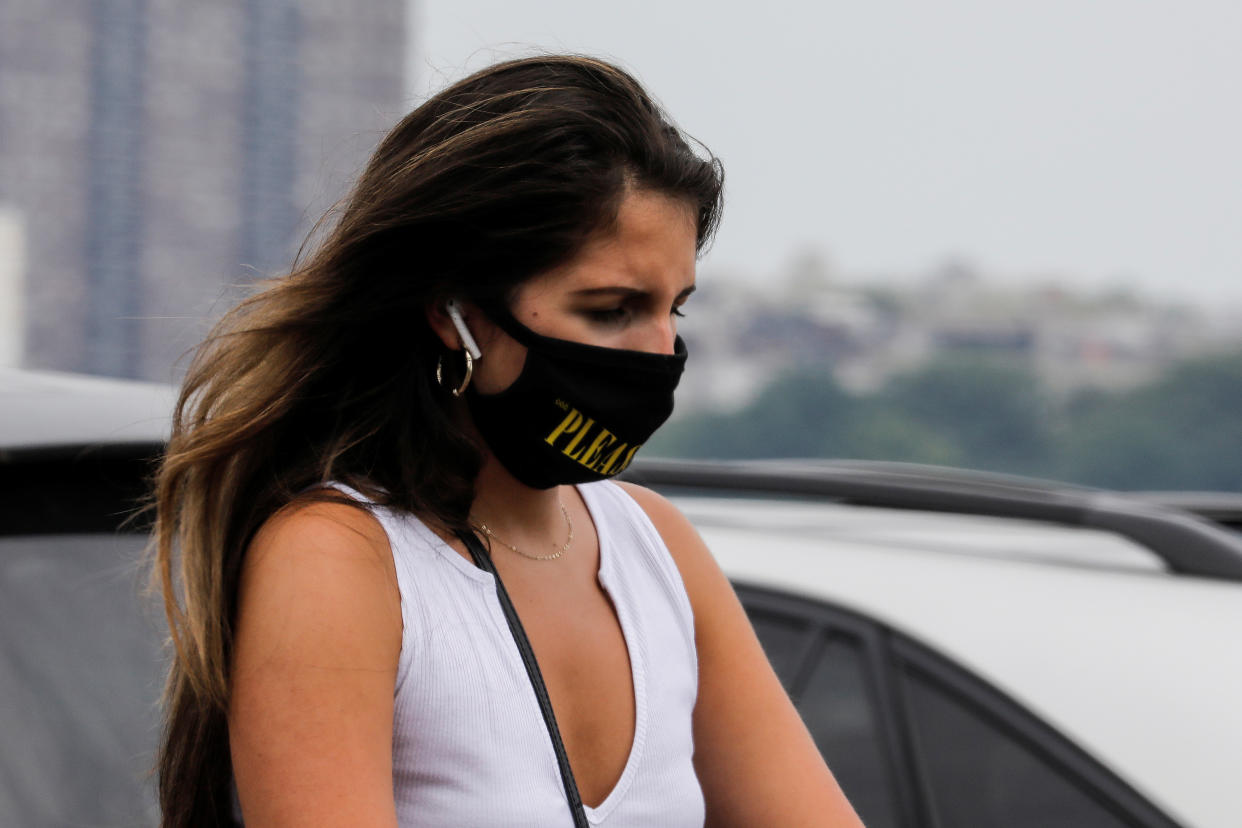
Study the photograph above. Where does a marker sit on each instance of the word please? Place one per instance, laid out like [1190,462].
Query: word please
[590,444]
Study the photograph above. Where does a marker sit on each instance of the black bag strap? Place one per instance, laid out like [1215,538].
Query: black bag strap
[484,561]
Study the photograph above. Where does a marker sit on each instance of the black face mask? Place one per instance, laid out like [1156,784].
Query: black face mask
[576,412]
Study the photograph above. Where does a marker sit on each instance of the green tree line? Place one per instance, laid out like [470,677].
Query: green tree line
[1180,431]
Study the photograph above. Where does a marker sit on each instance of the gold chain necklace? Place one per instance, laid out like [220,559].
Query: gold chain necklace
[482,527]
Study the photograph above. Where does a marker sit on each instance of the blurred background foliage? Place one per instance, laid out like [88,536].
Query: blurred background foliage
[1179,431]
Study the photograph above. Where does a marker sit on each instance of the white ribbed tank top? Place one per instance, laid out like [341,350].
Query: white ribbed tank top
[470,748]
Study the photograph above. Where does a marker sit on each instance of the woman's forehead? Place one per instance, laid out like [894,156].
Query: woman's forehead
[651,248]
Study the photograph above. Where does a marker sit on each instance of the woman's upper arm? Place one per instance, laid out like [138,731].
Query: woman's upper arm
[755,760]
[316,644]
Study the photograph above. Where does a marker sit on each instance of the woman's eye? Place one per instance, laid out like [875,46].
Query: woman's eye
[679,312]
[609,315]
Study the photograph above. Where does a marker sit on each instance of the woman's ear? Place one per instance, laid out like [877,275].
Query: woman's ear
[457,323]
[438,319]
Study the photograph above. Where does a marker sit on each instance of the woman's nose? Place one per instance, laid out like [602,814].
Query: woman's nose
[660,336]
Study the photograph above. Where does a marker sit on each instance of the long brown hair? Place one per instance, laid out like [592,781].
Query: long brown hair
[327,373]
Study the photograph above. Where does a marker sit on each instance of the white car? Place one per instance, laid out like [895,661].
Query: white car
[978,650]
[967,650]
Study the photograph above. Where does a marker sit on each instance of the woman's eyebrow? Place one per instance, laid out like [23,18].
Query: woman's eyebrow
[607,291]
[623,291]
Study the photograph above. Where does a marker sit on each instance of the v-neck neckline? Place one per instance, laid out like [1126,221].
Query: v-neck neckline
[631,632]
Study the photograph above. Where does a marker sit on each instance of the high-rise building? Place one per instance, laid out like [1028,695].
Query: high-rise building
[160,155]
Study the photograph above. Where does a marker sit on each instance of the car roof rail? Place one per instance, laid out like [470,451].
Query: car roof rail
[1188,544]
[1219,507]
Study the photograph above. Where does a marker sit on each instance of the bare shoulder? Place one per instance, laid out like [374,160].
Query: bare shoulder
[754,758]
[340,529]
[317,640]
[312,567]
[312,564]
[674,527]
[657,506]
[693,559]
[706,585]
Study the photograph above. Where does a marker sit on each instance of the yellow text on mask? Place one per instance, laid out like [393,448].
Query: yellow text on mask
[583,440]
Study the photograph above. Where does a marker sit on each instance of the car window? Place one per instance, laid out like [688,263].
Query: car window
[80,670]
[979,774]
[915,739]
[839,709]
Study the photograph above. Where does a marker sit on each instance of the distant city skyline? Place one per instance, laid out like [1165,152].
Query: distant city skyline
[1090,145]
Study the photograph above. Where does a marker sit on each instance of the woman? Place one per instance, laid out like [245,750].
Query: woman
[486,336]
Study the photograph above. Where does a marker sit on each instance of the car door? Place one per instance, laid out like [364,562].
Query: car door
[915,740]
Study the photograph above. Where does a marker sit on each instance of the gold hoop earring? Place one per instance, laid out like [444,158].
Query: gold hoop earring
[461,389]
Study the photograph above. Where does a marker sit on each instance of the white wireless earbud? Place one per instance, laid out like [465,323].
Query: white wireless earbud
[454,311]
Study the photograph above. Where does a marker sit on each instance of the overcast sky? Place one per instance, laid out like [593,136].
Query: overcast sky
[1094,142]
